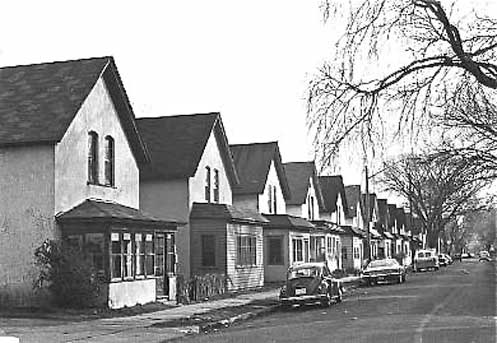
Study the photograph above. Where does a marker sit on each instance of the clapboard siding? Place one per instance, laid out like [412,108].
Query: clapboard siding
[201,227]
[244,277]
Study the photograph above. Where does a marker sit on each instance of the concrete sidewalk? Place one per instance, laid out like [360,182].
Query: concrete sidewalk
[122,329]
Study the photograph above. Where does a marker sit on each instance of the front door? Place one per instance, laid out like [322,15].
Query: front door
[165,254]
[160,263]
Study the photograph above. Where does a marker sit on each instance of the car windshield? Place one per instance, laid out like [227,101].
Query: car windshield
[426,254]
[304,272]
[382,263]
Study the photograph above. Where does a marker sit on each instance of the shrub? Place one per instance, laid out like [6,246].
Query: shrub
[199,287]
[68,274]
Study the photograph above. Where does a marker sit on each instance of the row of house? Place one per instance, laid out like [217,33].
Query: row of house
[151,198]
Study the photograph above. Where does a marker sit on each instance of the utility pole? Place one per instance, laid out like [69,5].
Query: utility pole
[368,219]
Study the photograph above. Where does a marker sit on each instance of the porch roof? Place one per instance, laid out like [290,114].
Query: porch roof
[97,210]
[286,221]
[327,226]
[388,235]
[353,231]
[374,234]
[226,212]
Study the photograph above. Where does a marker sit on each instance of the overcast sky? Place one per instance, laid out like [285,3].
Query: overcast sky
[250,60]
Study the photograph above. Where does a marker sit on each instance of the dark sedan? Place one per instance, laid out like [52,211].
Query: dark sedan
[310,283]
[386,270]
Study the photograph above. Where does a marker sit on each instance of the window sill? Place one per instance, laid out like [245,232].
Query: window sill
[248,266]
[88,183]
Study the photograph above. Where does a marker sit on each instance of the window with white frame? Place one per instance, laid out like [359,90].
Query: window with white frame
[207,185]
[246,252]
[109,162]
[298,249]
[92,157]
[329,245]
[216,186]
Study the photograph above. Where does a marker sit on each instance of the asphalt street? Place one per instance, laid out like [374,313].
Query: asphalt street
[455,304]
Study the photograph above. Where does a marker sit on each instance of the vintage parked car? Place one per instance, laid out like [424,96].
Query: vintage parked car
[310,283]
[385,270]
[442,260]
[484,256]
[425,259]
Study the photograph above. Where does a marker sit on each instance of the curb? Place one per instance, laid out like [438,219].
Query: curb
[223,323]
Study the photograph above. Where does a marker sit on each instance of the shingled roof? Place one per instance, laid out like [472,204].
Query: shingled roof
[286,221]
[252,162]
[298,175]
[331,186]
[353,195]
[176,144]
[38,102]
[225,212]
[107,211]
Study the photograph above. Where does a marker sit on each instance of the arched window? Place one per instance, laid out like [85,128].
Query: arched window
[109,161]
[93,157]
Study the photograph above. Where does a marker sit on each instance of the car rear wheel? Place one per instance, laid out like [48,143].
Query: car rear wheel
[326,302]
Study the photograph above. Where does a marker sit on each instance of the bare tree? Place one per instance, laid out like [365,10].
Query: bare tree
[438,189]
[444,53]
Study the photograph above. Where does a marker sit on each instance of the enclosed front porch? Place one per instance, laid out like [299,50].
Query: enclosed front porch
[133,254]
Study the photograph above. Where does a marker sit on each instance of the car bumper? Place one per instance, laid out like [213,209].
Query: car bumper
[303,298]
[382,277]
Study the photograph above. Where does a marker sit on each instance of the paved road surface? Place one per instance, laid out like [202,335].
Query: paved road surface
[456,304]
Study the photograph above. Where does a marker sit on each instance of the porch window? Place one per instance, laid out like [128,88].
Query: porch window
[208,250]
[171,253]
[216,186]
[275,250]
[149,254]
[329,245]
[93,157]
[298,250]
[109,162]
[94,246]
[356,253]
[128,255]
[116,256]
[140,255]
[246,250]
[207,184]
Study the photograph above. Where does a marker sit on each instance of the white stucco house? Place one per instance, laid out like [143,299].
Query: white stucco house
[70,158]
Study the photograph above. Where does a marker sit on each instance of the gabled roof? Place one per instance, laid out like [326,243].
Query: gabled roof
[105,211]
[38,102]
[353,195]
[401,216]
[226,212]
[331,186]
[298,175]
[372,201]
[286,221]
[253,162]
[176,145]
[382,211]
[392,214]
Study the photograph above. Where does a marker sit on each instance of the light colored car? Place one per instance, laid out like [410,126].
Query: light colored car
[425,259]
[310,283]
[385,270]
[484,256]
